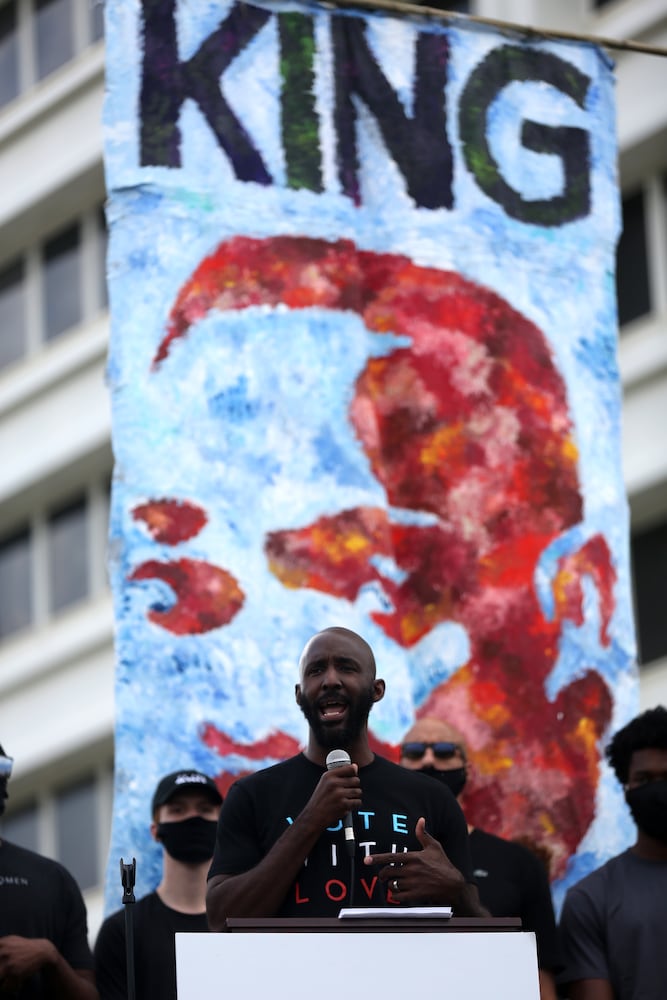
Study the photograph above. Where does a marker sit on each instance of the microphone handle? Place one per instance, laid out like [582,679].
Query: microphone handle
[339,758]
[348,829]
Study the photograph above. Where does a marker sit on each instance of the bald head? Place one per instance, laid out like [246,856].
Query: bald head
[337,689]
[345,638]
[433,731]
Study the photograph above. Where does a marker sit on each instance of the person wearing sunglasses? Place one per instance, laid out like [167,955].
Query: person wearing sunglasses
[44,950]
[512,880]
[614,921]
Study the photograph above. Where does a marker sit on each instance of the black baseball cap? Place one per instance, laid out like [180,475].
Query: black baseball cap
[178,780]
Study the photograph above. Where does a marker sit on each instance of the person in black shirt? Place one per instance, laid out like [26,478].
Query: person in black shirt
[512,880]
[44,951]
[281,849]
[185,810]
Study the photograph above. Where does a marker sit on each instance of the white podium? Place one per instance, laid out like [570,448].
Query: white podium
[296,964]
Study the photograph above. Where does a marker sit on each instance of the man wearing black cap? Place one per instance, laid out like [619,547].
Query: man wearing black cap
[185,810]
[44,950]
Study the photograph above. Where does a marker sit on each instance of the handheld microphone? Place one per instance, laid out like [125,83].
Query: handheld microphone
[338,758]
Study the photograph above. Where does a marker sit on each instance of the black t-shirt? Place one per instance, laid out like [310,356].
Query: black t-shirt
[513,882]
[154,926]
[259,808]
[40,899]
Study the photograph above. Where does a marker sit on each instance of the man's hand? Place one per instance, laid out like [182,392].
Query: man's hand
[337,792]
[419,878]
[21,957]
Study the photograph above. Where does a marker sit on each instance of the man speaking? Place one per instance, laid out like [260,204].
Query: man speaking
[283,843]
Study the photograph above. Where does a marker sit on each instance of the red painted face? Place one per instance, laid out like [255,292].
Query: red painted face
[466,429]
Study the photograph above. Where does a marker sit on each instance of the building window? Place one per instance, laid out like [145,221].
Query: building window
[39,36]
[12,313]
[649,562]
[68,542]
[632,277]
[22,828]
[77,834]
[15,583]
[62,282]
[102,239]
[54,43]
[66,821]
[96,20]
[66,273]
[9,53]
[67,532]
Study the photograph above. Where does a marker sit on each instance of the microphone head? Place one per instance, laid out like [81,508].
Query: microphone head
[337,758]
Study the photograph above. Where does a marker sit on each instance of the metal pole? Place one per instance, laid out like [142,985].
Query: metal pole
[401,7]
[127,877]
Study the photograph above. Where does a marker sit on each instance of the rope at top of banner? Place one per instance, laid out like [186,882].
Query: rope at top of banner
[398,7]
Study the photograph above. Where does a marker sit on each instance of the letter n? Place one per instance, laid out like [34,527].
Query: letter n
[417,144]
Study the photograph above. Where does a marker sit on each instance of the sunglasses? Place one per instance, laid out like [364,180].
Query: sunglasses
[6,766]
[441,750]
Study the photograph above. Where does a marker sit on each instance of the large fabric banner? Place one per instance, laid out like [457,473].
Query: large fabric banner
[363,373]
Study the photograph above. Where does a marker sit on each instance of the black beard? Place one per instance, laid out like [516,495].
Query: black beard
[330,737]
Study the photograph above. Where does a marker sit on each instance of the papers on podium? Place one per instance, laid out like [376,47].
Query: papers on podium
[396,911]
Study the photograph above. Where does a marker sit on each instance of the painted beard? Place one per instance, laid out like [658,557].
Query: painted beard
[331,736]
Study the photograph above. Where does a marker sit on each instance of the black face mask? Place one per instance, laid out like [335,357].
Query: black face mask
[648,805]
[189,840]
[455,779]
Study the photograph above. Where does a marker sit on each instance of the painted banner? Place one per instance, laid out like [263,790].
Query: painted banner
[363,372]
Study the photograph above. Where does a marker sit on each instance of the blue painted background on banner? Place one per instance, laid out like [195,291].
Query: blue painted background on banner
[363,310]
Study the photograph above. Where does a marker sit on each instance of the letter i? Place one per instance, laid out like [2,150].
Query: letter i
[300,122]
